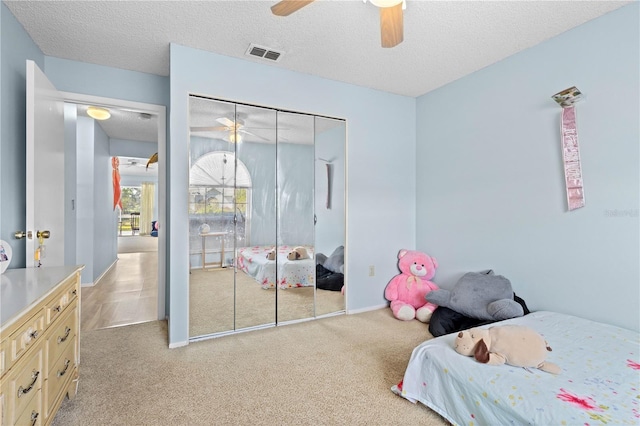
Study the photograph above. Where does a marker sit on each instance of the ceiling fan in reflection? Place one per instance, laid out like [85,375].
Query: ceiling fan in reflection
[234,129]
[132,162]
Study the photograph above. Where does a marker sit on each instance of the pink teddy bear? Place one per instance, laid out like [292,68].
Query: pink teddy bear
[407,291]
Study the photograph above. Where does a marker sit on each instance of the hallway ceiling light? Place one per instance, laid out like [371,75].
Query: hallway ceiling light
[98,113]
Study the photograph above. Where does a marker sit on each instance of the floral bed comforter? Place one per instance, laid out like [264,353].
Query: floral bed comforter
[281,272]
[599,384]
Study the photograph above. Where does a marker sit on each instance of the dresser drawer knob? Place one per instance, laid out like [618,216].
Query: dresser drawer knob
[34,418]
[57,308]
[29,335]
[61,339]
[23,391]
[64,370]
[74,292]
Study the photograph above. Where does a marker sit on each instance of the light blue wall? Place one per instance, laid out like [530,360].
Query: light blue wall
[490,190]
[108,82]
[105,234]
[380,147]
[70,186]
[85,225]
[15,48]
[295,194]
[129,148]
[330,228]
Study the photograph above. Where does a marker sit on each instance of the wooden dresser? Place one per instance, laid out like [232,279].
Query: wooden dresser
[39,342]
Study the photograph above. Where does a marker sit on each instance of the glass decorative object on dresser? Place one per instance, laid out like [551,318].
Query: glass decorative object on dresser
[253,178]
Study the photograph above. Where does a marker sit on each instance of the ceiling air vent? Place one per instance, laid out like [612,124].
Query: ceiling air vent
[263,52]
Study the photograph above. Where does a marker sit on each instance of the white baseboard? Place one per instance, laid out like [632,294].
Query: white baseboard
[91,284]
[367,309]
[177,345]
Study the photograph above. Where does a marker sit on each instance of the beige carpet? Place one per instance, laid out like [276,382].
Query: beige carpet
[212,297]
[332,371]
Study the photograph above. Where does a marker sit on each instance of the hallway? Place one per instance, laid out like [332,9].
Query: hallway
[127,294]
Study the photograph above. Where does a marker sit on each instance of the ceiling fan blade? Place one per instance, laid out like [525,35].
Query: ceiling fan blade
[287,7]
[225,121]
[252,134]
[152,159]
[391,25]
[209,129]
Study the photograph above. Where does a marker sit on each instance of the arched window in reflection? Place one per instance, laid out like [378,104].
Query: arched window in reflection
[219,192]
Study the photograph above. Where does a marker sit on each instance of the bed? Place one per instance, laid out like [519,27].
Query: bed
[599,384]
[290,273]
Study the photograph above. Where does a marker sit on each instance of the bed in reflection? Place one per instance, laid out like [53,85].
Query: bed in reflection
[254,262]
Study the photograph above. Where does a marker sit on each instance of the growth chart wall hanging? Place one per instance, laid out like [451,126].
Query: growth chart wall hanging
[570,149]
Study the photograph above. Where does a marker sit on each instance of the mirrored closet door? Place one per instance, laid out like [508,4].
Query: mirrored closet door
[253,194]
[329,167]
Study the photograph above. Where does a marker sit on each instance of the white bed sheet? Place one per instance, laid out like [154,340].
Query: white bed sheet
[599,384]
[290,273]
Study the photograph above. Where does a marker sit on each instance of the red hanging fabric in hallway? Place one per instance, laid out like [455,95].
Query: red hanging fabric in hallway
[115,163]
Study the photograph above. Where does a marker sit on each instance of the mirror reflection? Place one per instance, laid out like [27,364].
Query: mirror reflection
[329,169]
[265,188]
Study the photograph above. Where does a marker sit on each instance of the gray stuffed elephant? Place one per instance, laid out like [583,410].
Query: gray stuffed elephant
[479,295]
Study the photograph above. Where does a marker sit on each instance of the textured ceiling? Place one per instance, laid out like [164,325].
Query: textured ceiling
[340,40]
[334,39]
[127,124]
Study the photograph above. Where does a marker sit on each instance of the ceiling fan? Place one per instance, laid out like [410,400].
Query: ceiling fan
[127,163]
[132,162]
[235,129]
[391,18]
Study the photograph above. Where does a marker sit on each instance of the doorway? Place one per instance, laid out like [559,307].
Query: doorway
[137,272]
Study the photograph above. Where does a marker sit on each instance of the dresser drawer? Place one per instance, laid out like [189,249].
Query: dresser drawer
[63,370]
[32,414]
[62,334]
[19,387]
[39,350]
[23,338]
[3,364]
[55,306]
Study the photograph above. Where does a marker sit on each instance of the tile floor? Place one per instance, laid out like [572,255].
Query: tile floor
[127,294]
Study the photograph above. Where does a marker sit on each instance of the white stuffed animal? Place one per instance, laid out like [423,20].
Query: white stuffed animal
[271,255]
[515,345]
[298,253]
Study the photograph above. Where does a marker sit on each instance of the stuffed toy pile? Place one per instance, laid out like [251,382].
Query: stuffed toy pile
[515,345]
[478,298]
[407,290]
[481,296]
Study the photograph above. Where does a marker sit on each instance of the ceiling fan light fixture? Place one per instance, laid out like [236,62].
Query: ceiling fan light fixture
[235,137]
[98,113]
[387,3]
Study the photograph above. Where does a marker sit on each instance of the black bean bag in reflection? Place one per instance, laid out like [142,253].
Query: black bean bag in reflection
[328,280]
